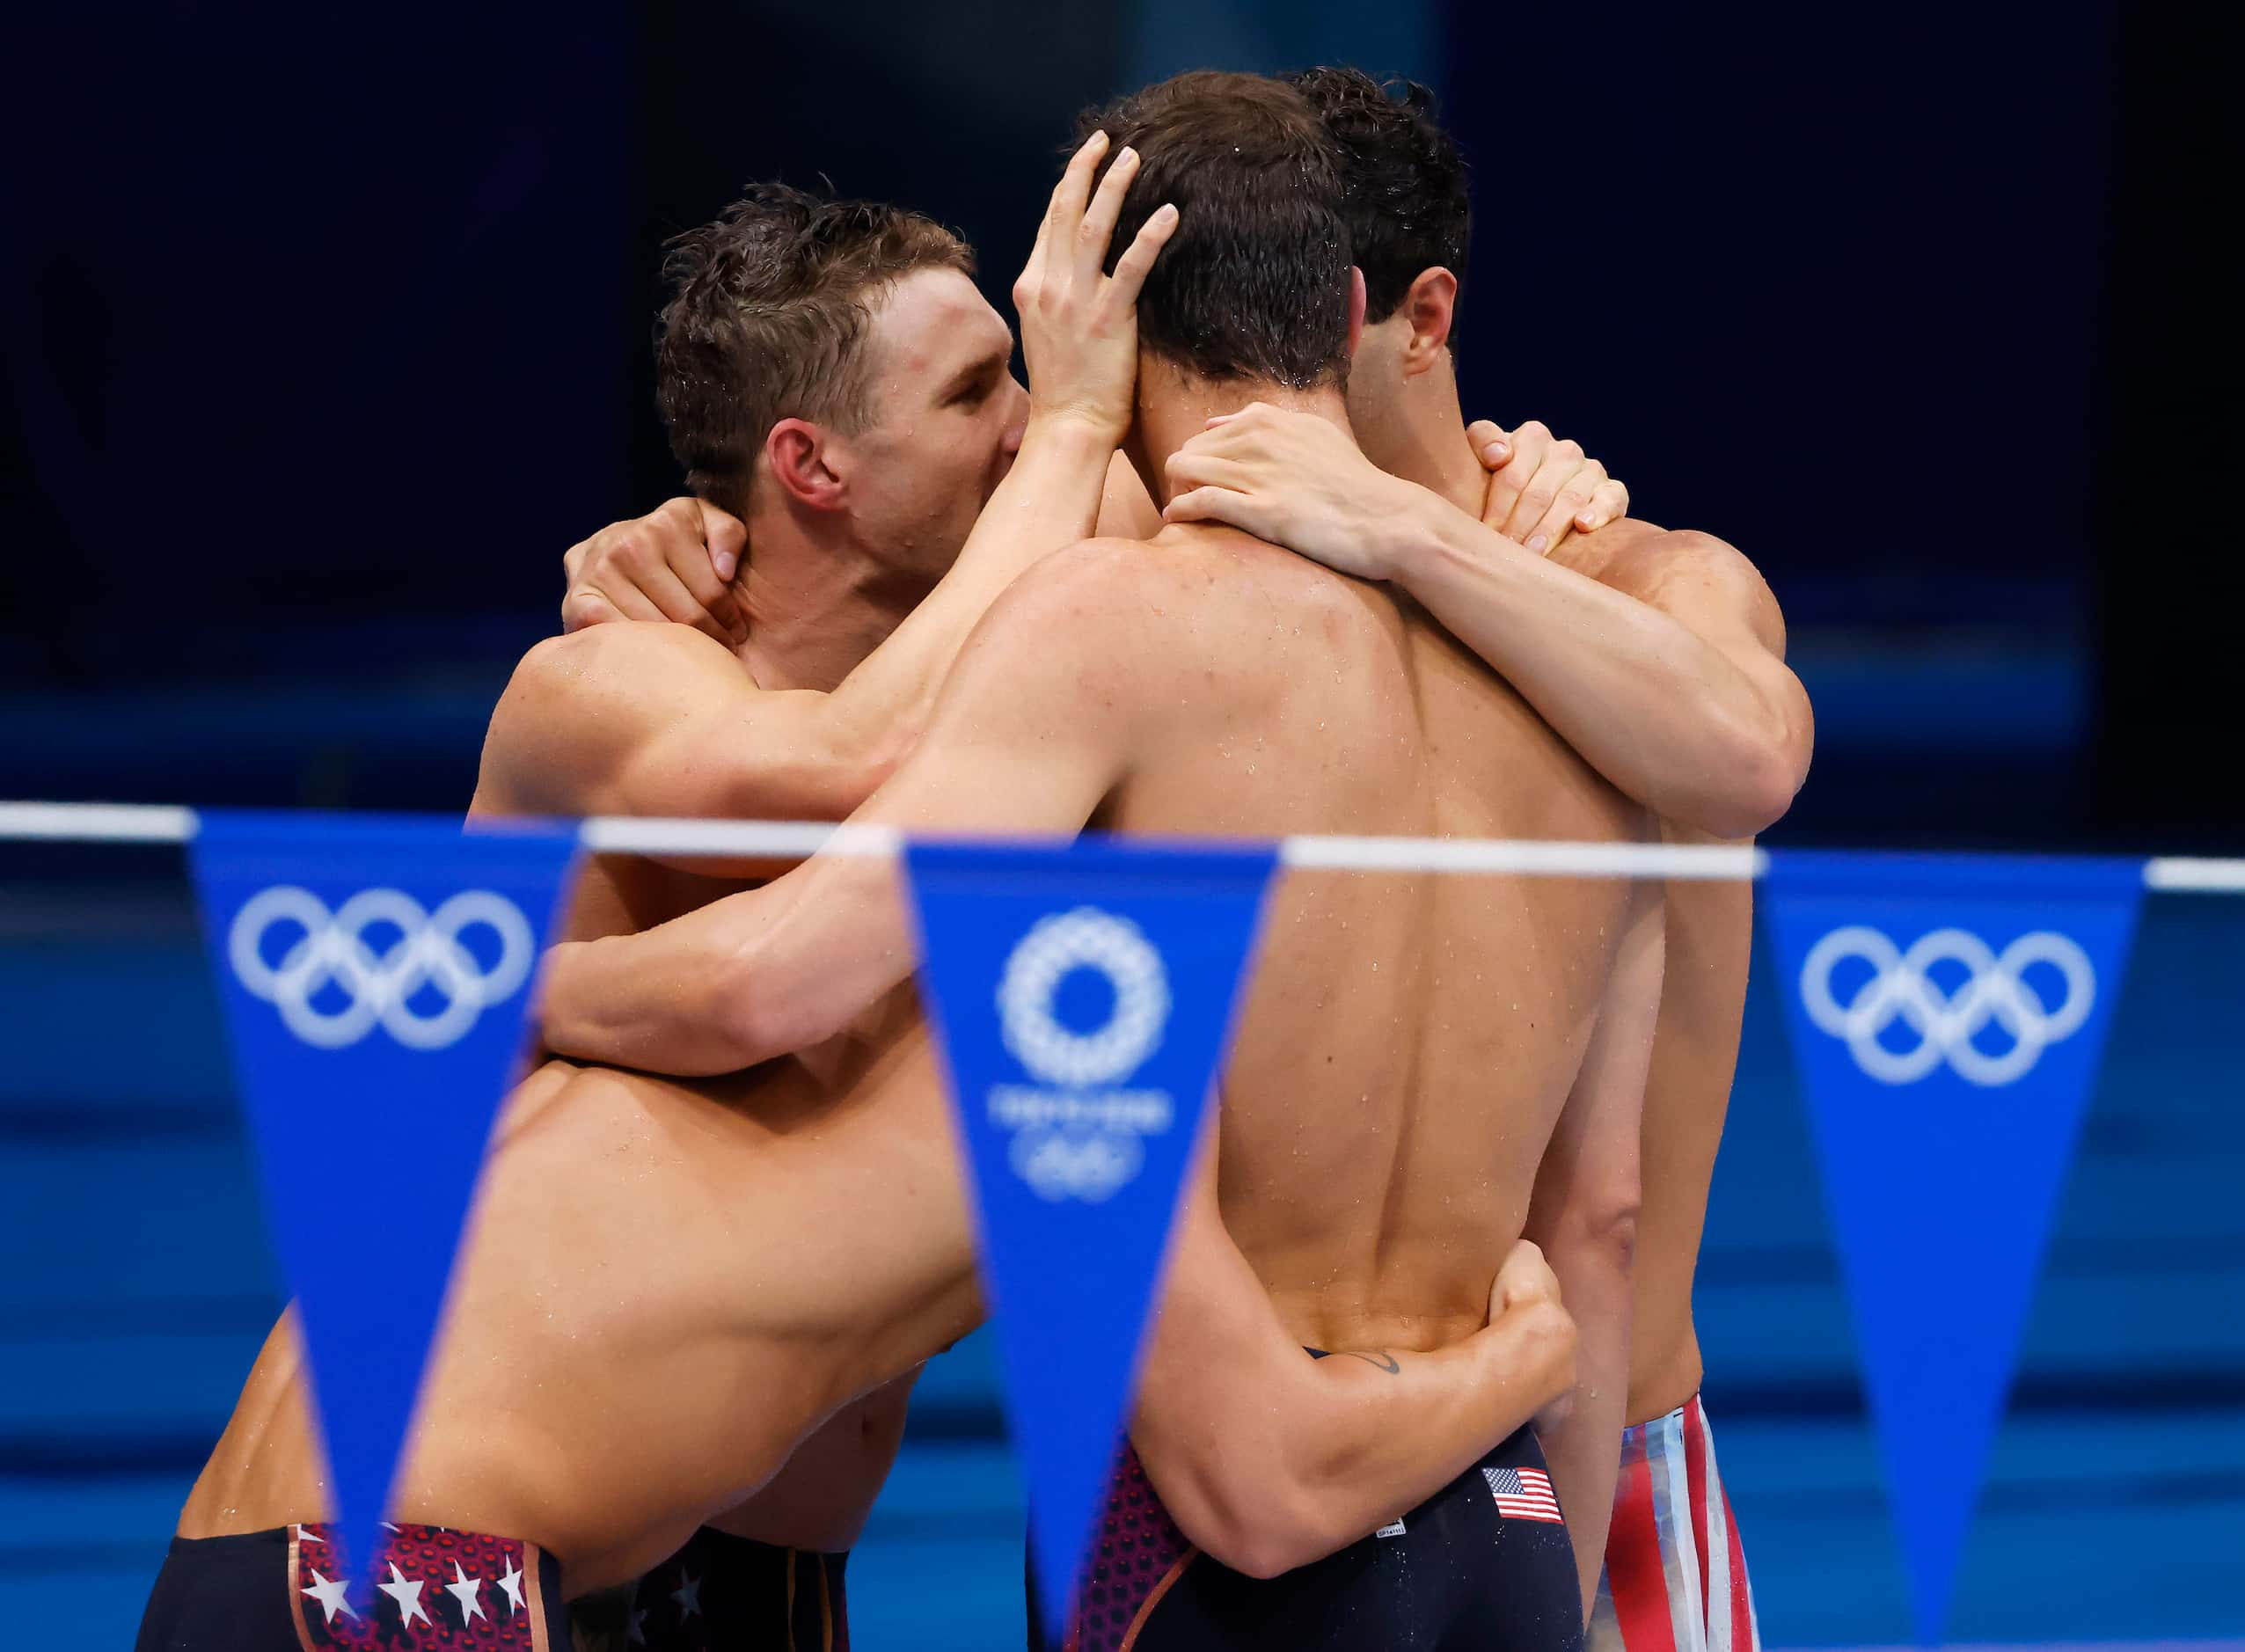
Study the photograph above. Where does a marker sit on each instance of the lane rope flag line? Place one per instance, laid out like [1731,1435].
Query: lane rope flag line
[167,823]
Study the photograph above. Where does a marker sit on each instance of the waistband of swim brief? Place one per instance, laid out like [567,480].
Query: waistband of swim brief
[1665,1420]
[275,1540]
[233,1543]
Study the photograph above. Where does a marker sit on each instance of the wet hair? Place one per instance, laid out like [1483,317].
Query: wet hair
[766,320]
[1407,198]
[1253,282]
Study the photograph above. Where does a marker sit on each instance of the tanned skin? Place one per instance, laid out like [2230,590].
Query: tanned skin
[1661,654]
[727,1264]
[1412,1045]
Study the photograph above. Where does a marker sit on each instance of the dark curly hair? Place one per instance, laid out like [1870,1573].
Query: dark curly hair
[766,317]
[1407,202]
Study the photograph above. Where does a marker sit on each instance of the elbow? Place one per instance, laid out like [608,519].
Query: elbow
[1281,1533]
[1600,1231]
[1772,777]
[1758,782]
[1257,1511]
[751,1018]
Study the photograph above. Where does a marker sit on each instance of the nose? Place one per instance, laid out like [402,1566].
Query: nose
[1017,418]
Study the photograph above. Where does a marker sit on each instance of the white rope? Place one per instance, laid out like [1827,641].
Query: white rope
[769,839]
[96,822]
[2180,874]
[746,839]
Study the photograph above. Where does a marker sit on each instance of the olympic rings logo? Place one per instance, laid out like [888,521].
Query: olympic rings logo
[1901,989]
[1084,939]
[379,987]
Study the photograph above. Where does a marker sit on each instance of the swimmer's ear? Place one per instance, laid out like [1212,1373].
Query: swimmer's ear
[795,451]
[1356,308]
[1431,308]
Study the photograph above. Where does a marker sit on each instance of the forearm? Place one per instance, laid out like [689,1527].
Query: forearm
[1050,498]
[1584,1449]
[1393,1429]
[1323,1453]
[1661,713]
[743,980]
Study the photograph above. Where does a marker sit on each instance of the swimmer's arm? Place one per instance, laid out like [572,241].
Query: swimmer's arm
[1583,1213]
[659,719]
[1268,1460]
[1041,718]
[1674,687]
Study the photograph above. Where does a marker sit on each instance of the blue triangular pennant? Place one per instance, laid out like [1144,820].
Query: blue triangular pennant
[1949,1013]
[375,974]
[1083,999]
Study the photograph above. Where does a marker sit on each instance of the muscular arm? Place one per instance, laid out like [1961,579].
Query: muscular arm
[1584,1215]
[1268,1460]
[1671,681]
[1028,737]
[660,719]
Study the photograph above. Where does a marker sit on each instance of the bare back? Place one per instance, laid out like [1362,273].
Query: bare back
[1409,1038]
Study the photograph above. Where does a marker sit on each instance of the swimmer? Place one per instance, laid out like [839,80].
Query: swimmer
[1660,656]
[1210,683]
[652,1311]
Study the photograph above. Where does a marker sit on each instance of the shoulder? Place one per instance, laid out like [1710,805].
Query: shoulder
[1692,575]
[576,703]
[605,666]
[1185,586]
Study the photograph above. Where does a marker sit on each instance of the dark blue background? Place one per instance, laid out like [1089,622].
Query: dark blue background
[326,333]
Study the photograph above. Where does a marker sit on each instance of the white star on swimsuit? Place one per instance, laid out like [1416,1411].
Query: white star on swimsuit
[468,1591]
[407,1594]
[510,1582]
[330,1595]
[687,1594]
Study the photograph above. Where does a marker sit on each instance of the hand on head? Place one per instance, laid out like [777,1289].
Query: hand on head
[1542,489]
[1079,329]
[674,564]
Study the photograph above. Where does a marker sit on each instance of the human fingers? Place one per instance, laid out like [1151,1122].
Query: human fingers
[1097,227]
[1552,472]
[1529,444]
[1137,258]
[1569,501]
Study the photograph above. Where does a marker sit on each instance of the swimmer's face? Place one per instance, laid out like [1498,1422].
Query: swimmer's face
[945,420]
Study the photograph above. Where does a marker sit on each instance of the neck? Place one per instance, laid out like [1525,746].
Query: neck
[1174,408]
[1422,438]
[816,605]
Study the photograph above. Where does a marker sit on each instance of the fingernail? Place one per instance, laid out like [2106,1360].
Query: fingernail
[1495,452]
[1167,213]
[725,566]
[1128,154]
[1539,542]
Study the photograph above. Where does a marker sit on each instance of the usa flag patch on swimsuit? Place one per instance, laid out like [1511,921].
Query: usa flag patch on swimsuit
[1523,1494]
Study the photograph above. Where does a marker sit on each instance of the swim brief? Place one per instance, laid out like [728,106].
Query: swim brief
[1485,1562]
[1675,1574]
[283,1591]
[729,1593]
